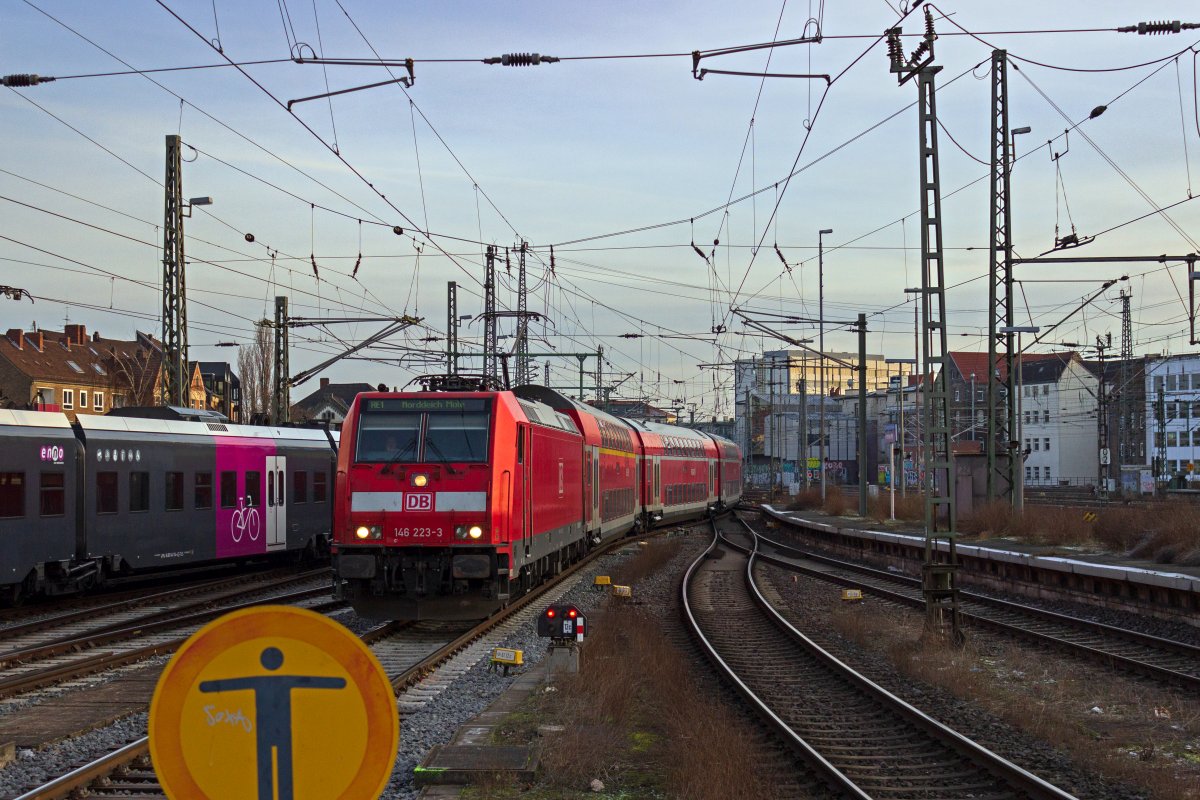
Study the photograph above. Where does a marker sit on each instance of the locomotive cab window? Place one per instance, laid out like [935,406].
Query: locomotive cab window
[384,438]
[416,430]
[12,494]
[456,436]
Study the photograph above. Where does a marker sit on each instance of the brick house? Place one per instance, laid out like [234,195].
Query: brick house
[72,372]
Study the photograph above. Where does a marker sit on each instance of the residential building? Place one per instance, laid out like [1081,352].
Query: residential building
[71,372]
[223,388]
[1057,425]
[1173,422]
[331,402]
[637,409]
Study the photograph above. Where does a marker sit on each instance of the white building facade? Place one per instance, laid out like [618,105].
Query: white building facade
[1173,416]
[1058,423]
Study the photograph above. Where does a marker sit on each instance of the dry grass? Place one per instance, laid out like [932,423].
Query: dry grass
[635,717]
[910,508]
[1172,535]
[835,502]
[991,519]
[805,500]
[1139,735]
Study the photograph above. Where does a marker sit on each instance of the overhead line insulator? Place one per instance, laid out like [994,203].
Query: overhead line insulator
[521,60]
[1160,27]
[25,79]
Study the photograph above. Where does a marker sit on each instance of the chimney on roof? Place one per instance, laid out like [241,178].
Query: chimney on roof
[96,336]
[18,337]
[76,334]
[38,339]
[324,383]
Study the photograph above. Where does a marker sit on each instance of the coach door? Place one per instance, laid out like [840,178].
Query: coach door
[275,509]
[526,434]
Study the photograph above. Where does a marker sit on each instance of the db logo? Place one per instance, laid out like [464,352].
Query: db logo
[418,501]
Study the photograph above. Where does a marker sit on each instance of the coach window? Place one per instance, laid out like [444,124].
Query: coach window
[106,493]
[229,492]
[12,494]
[299,486]
[139,491]
[174,491]
[318,487]
[53,494]
[253,488]
[202,495]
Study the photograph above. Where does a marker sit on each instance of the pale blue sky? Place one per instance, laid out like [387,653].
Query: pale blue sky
[574,150]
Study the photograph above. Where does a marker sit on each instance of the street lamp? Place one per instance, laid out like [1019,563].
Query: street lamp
[821,322]
[972,428]
[1014,448]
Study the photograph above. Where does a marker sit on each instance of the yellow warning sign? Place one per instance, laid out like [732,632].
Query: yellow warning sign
[273,703]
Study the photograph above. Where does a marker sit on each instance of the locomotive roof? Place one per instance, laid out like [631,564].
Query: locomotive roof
[181,428]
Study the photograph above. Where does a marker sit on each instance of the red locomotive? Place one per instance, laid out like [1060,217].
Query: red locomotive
[449,504]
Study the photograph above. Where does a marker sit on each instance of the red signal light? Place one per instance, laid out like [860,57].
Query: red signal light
[572,613]
[550,613]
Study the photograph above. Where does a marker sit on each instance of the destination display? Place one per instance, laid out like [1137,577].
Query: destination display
[401,404]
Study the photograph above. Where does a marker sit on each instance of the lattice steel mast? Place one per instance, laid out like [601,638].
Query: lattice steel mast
[1001,405]
[174,286]
[451,328]
[523,372]
[281,397]
[939,579]
[489,315]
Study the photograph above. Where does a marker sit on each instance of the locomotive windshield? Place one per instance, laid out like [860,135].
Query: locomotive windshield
[424,430]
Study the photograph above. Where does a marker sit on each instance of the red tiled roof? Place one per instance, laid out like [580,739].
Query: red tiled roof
[968,362]
[72,357]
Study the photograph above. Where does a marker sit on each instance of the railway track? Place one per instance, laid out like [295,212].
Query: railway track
[422,660]
[1162,659]
[865,741]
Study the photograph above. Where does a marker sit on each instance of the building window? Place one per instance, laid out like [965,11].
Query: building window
[106,493]
[174,491]
[53,494]
[1028,446]
[139,491]
[98,400]
[319,487]
[299,487]
[1036,444]
[1028,471]
[1172,439]
[1046,415]
[1158,383]
[1046,443]
[68,399]
[202,495]
[83,399]
[1045,389]
[1172,383]
[957,396]
[229,492]
[1195,437]
[12,494]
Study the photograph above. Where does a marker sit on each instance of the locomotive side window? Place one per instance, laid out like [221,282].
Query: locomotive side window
[318,487]
[174,491]
[229,493]
[53,494]
[139,491]
[203,495]
[106,493]
[452,436]
[253,488]
[299,486]
[12,494]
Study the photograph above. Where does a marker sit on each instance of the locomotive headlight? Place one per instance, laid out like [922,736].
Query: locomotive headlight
[475,532]
[420,480]
[363,532]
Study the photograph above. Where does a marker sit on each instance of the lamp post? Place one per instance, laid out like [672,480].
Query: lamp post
[972,428]
[821,344]
[1015,447]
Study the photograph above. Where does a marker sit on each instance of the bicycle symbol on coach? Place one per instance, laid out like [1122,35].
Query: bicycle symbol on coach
[244,520]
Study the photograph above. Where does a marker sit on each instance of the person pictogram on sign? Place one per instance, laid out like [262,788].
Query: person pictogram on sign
[273,719]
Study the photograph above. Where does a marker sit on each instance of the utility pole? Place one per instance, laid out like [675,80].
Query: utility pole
[821,347]
[1104,453]
[1160,444]
[862,415]
[489,315]
[281,401]
[451,328]
[174,285]
[939,571]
